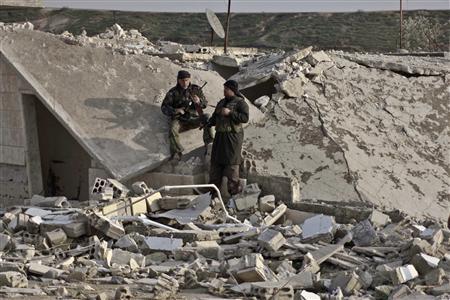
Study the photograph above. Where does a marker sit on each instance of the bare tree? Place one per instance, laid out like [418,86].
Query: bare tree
[421,33]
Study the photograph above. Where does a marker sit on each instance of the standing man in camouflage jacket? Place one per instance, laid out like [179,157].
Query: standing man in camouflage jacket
[181,105]
[231,112]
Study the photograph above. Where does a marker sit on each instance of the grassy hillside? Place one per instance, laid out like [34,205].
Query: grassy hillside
[363,31]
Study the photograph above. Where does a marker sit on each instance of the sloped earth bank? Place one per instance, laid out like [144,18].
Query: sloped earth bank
[374,130]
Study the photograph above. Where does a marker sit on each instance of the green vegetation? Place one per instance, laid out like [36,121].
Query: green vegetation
[362,31]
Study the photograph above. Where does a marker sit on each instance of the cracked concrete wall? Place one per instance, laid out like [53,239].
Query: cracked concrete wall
[13,171]
[368,128]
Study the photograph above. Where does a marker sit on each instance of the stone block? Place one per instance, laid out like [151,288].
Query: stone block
[319,227]
[271,240]
[403,274]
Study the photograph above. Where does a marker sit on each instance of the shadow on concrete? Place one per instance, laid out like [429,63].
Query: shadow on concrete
[134,115]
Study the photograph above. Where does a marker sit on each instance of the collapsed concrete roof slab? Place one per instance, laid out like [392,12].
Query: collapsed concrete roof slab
[110,103]
[261,70]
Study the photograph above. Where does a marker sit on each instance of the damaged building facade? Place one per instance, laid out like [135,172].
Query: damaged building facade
[347,183]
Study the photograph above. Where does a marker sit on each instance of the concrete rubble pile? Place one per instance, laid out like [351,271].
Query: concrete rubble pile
[115,38]
[137,242]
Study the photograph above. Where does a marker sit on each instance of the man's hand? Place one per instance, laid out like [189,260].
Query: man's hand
[179,111]
[226,111]
[196,99]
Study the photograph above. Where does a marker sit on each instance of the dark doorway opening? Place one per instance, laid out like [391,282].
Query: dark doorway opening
[64,163]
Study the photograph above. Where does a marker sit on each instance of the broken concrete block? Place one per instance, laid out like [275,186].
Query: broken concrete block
[316,57]
[38,269]
[441,290]
[209,249]
[122,257]
[319,227]
[403,274]
[323,253]
[140,188]
[107,194]
[138,205]
[434,236]
[400,292]
[34,211]
[262,101]
[435,277]
[127,243]
[271,240]
[76,229]
[251,268]
[305,295]
[272,290]
[57,202]
[56,237]
[18,222]
[424,263]
[248,198]
[302,280]
[310,264]
[13,279]
[275,215]
[119,190]
[153,202]
[364,234]
[5,241]
[26,251]
[378,219]
[294,87]
[179,202]
[348,282]
[106,226]
[123,293]
[162,244]
[267,203]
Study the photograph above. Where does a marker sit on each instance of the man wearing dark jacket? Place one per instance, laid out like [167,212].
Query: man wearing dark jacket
[181,105]
[231,112]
